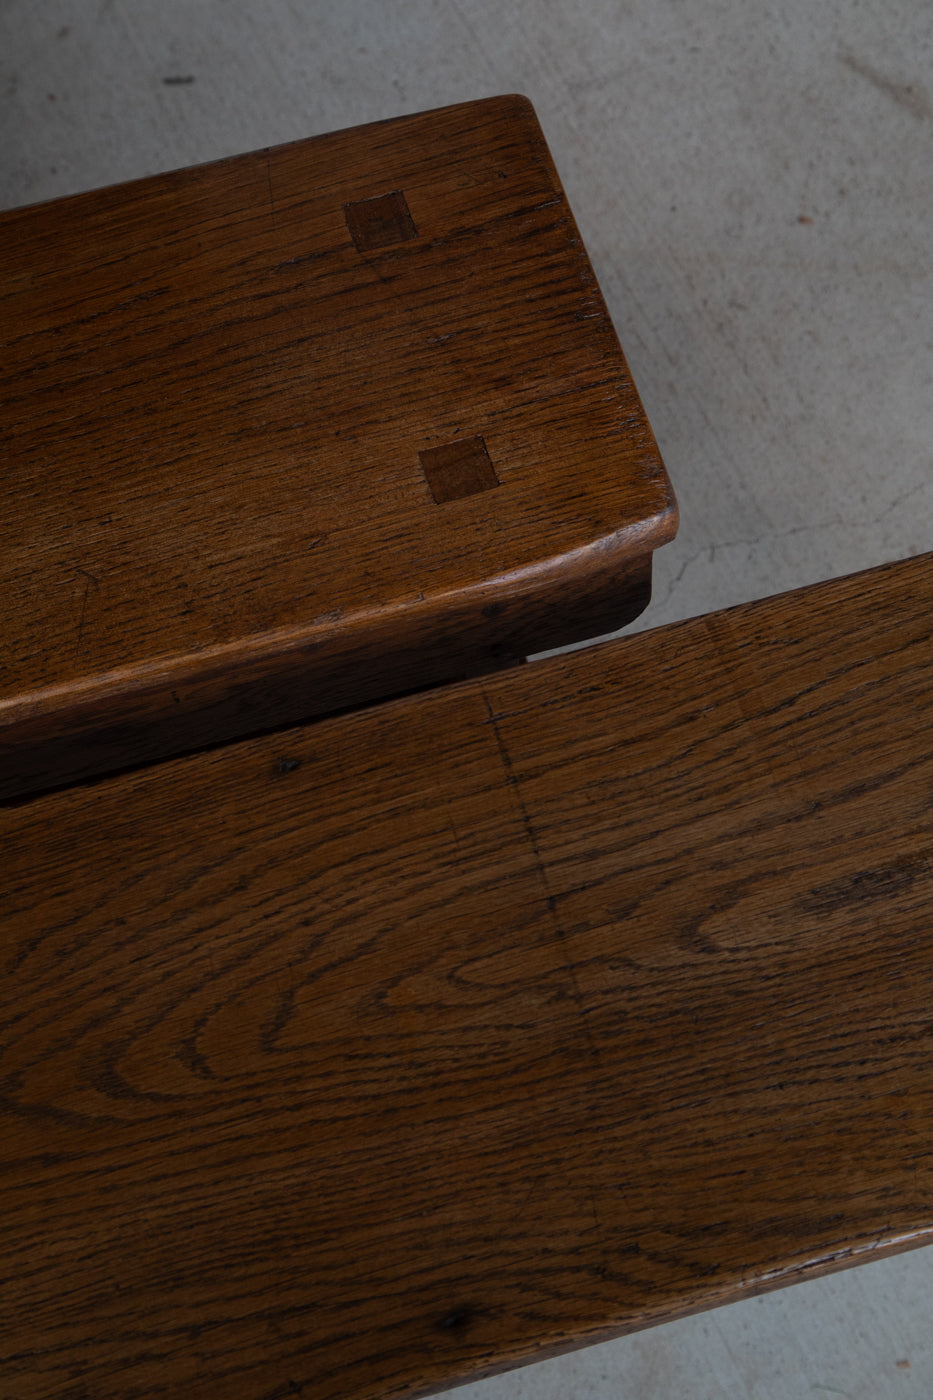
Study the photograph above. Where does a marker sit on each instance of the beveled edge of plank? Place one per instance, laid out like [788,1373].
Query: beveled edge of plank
[573,569]
[125,722]
[804,1270]
[514,101]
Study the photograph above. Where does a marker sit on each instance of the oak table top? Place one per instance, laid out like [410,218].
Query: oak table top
[390,1050]
[302,428]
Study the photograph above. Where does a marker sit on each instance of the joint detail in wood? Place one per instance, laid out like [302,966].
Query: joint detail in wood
[380,222]
[458,469]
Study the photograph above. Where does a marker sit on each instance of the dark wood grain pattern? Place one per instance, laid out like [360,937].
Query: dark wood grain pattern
[397,1048]
[218,390]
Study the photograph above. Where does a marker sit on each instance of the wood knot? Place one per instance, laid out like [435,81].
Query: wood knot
[456,1320]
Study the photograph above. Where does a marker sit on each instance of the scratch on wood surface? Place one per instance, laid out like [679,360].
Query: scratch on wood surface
[90,582]
[550,899]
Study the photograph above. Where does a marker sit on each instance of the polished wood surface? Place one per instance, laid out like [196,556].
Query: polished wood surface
[303,428]
[390,1050]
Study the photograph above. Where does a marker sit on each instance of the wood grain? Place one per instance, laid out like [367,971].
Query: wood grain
[400,1047]
[218,391]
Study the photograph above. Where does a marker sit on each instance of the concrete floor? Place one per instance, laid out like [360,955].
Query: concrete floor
[755,187]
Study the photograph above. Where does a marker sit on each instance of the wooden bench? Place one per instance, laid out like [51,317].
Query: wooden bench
[302,429]
[369,1056]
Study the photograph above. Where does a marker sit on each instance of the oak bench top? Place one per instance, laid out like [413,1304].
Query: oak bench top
[284,432]
[387,1051]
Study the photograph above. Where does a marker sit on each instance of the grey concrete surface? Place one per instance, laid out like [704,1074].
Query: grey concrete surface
[755,187]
